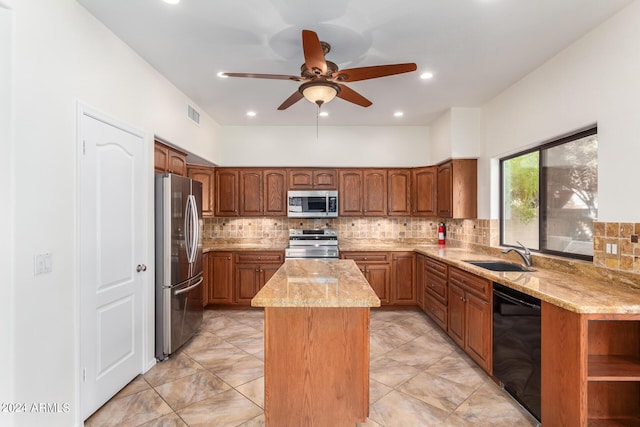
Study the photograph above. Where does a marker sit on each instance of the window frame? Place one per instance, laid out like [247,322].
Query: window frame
[542,200]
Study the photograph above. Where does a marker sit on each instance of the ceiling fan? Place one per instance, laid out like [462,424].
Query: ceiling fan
[322,80]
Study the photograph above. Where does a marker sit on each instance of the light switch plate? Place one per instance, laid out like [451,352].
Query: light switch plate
[43,263]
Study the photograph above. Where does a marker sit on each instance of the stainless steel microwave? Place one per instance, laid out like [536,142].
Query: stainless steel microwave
[312,204]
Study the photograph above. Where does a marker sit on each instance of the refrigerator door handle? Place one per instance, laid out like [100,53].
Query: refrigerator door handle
[192,231]
[195,285]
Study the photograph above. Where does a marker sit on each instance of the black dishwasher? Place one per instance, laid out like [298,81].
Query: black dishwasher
[516,345]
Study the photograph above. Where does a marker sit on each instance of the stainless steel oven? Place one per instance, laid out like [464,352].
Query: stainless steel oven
[312,244]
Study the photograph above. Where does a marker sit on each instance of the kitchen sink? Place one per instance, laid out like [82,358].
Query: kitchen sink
[500,266]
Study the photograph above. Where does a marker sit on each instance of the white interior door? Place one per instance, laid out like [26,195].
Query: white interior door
[113,222]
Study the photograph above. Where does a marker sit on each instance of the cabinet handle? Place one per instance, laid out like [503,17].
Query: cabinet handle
[229,258]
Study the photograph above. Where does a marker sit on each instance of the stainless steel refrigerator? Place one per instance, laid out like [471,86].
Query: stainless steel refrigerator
[178,231]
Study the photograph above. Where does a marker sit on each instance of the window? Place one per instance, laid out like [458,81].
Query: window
[550,196]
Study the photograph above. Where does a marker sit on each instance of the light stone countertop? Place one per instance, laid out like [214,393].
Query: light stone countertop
[573,293]
[317,283]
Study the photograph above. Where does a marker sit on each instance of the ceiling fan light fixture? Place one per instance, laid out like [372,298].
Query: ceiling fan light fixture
[319,92]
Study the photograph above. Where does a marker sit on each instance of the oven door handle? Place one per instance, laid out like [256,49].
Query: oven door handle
[516,300]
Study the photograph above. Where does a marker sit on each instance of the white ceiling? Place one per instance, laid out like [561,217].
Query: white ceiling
[474,48]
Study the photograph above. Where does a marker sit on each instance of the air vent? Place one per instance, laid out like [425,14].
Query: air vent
[193,114]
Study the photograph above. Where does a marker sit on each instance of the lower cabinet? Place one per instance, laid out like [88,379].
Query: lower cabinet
[403,278]
[234,278]
[376,269]
[251,272]
[469,315]
[435,291]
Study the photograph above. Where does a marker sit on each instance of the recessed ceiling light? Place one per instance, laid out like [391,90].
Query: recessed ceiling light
[398,114]
[323,114]
[426,76]
[221,75]
[172,1]
[251,113]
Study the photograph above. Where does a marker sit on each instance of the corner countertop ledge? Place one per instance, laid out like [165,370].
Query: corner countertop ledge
[317,283]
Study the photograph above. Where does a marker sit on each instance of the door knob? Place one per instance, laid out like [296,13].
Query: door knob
[141,267]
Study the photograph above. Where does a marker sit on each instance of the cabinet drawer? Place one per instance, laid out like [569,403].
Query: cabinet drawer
[436,310]
[372,257]
[471,283]
[436,267]
[259,257]
[437,286]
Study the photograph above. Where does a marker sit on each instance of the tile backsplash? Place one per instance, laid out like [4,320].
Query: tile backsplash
[461,232]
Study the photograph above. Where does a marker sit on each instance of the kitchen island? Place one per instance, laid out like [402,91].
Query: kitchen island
[316,343]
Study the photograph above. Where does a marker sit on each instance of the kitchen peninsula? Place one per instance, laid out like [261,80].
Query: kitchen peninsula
[316,343]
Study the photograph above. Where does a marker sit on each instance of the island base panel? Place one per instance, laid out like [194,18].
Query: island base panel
[316,366]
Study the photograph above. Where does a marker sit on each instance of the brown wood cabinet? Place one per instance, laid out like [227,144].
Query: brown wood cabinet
[206,176]
[250,192]
[251,271]
[435,292]
[226,192]
[220,283]
[458,189]
[399,192]
[363,192]
[590,368]
[312,179]
[403,291]
[469,315]
[424,188]
[274,189]
[376,269]
[169,160]
[421,279]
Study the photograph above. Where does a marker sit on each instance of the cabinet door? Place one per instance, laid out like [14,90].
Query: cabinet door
[207,276]
[267,271]
[351,196]
[206,176]
[275,192]
[375,192]
[379,280]
[399,192]
[456,314]
[250,192]
[300,179]
[478,331]
[424,191]
[403,278]
[421,279]
[445,202]
[160,158]
[325,179]
[177,163]
[247,283]
[226,192]
[221,284]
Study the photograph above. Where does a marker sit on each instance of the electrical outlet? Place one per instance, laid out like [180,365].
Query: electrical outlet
[608,248]
[614,248]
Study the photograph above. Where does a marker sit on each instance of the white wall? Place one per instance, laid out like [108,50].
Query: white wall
[400,146]
[440,137]
[595,80]
[457,133]
[7,209]
[62,55]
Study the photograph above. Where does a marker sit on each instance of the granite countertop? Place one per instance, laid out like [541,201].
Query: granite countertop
[317,283]
[574,293]
[211,247]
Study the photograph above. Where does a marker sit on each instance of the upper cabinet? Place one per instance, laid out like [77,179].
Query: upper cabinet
[250,192]
[226,192]
[458,189]
[399,192]
[169,160]
[206,176]
[363,192]
[312,179]
[424,190]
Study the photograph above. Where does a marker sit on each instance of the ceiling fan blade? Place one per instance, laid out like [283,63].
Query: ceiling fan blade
[313,53]
[264,76]
[365,73]
[352,96]
[295,97]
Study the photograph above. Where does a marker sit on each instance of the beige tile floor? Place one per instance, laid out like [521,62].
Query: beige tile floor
[418,378]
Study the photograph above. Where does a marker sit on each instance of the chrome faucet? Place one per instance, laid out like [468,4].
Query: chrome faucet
[524,253]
